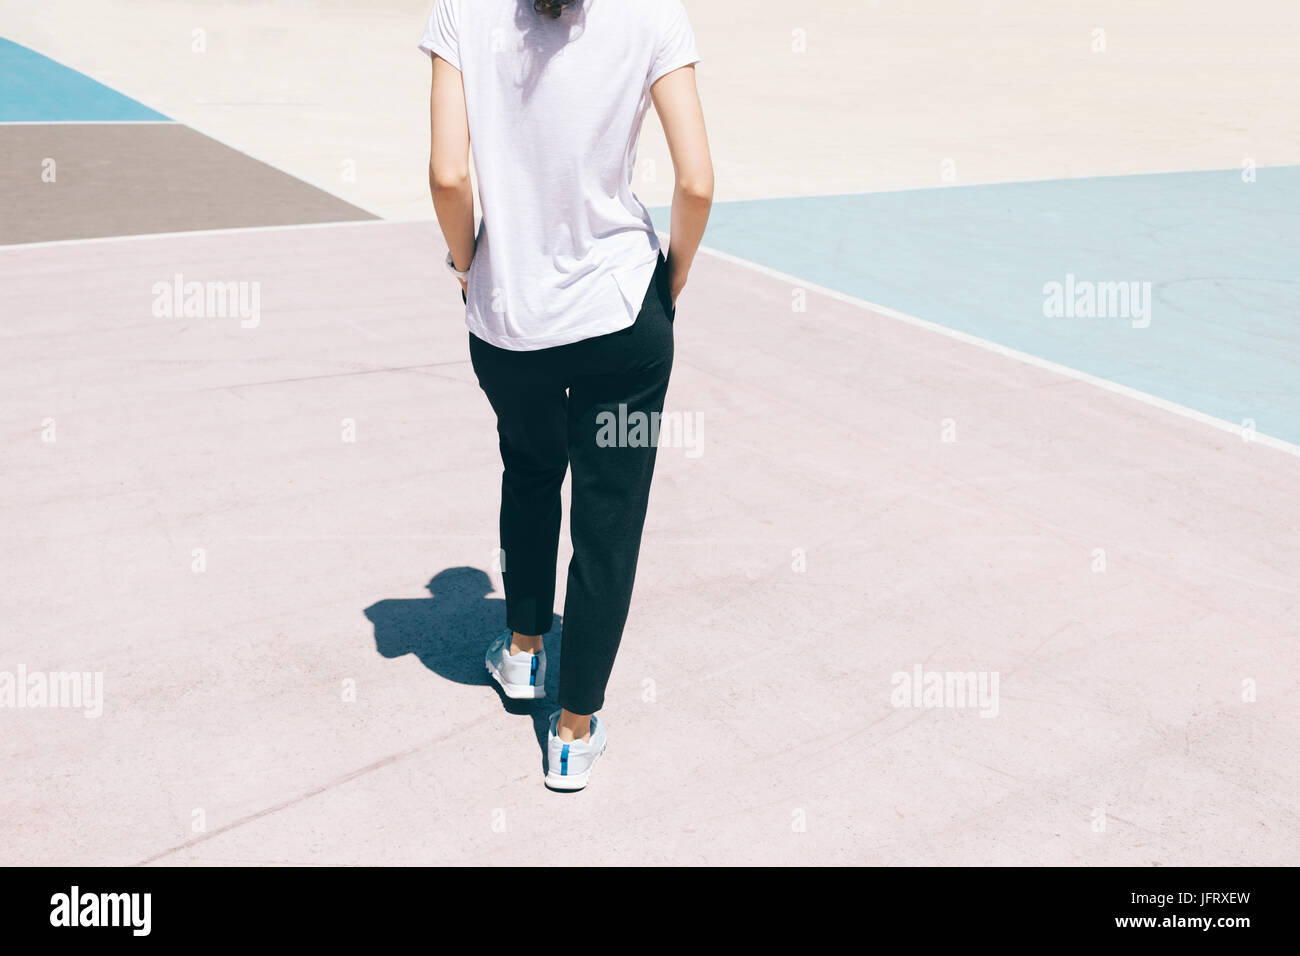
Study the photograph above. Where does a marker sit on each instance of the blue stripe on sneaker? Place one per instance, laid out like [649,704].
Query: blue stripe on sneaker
[532,673]
[564,761]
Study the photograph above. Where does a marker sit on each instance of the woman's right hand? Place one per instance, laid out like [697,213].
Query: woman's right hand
[676,282]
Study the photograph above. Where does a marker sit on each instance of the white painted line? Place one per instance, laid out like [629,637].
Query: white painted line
[161,122]
[936,187]
[1153,400]
[980,183]
[200,232]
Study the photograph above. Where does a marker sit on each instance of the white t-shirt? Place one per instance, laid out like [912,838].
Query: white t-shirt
[565,250]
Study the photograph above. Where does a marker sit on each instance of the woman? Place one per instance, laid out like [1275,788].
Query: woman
[569,301]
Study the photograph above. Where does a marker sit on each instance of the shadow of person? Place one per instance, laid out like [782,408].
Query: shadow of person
[542,39]
[450,632]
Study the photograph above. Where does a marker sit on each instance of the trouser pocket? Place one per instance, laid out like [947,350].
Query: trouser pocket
[664,286]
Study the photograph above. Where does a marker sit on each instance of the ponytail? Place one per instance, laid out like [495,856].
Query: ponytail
[551,8]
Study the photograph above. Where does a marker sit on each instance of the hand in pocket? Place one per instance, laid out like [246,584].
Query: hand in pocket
[665,291]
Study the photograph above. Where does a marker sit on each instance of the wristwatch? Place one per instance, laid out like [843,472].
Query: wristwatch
[451,266]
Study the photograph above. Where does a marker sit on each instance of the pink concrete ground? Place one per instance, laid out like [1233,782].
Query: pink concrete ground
[750,710]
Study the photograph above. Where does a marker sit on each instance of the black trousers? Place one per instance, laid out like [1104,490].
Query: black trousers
[591,405]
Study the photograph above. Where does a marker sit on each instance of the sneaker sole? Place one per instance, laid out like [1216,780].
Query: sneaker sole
[516,691]
[573,781]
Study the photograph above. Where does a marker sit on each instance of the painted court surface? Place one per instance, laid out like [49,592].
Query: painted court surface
[270,529]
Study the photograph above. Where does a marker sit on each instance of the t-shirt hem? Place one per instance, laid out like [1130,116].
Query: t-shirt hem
[533,343]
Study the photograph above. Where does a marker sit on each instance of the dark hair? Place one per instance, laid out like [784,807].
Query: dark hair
[551,8]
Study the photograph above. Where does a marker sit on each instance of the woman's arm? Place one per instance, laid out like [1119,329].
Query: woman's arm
[449,182]
[677,101]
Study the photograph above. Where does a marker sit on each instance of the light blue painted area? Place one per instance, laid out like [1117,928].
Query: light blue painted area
[36,89]
[1222,257]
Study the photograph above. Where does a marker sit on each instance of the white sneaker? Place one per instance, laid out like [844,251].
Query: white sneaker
[522,675]
[569,764]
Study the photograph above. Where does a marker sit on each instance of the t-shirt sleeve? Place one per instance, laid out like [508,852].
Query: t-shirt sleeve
[675,46]
[440,36]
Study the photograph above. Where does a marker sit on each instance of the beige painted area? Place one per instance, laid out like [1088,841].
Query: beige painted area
[811,98]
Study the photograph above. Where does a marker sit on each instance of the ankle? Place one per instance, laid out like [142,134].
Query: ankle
[571,727]
[524,642]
